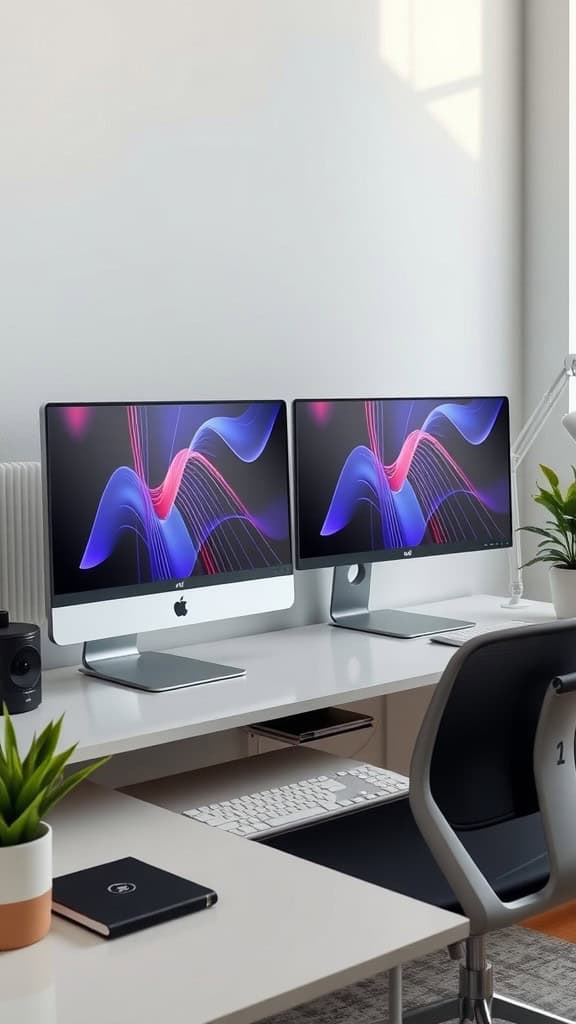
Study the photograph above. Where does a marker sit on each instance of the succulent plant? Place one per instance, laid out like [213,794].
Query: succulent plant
[31,785]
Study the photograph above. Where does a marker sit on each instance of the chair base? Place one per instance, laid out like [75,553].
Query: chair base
[481,1011]
[476,1003]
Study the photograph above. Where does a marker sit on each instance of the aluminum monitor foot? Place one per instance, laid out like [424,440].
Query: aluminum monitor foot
[404,625]
[349,609]
[119,661]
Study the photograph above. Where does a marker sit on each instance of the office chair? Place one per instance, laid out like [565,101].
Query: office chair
[489,828]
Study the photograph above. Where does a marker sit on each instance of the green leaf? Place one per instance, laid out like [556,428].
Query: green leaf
[13,761]
[4,772]
[32,828]
[570,501]
[553,495]
[557,527]
[58,764]
[4,834]
[550,475]
[48,740]
[549,501]
[5,801]
[539,558]
[58,792]
[549,545]
[45,774]
[563,557]
[25,823]
[554,507]
[29,762]
[540,531]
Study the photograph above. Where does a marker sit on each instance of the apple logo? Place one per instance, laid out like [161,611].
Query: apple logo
[180,607]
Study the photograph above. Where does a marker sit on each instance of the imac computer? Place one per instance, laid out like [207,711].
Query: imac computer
[397,478]
[159,515]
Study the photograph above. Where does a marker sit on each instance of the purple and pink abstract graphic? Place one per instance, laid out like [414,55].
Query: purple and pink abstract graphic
[407,473]
[202,493]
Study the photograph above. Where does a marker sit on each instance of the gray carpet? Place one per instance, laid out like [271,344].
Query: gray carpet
[528,966]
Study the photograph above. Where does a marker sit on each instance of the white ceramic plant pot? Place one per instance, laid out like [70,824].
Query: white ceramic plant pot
[563,589]
[25,891]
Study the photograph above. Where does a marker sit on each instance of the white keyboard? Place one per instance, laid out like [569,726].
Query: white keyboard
[461,636]
[283,807]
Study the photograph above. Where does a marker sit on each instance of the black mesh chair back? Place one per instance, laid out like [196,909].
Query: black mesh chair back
[497,744]
[482,769]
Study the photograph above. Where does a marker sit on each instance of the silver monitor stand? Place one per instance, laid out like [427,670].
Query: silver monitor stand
[349,609]
[118,660]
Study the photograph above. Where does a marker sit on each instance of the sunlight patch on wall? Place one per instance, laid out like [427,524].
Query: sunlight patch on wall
[460,114]
[436,48]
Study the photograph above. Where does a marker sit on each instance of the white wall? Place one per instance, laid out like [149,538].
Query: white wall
[546,219]
[244,198]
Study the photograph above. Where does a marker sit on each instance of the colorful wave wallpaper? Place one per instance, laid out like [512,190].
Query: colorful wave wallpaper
[384,476]
[148,494]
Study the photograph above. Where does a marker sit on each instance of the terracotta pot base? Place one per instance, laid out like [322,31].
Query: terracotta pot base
[25,922]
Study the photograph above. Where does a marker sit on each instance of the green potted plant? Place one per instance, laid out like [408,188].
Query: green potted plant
[557,541]
[29,787]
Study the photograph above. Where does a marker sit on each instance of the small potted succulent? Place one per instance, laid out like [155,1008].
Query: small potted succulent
[557,541]
[29,787]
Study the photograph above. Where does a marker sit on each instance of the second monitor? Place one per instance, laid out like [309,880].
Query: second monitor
[398,478]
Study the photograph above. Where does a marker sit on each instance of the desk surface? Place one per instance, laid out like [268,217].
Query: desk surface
[283,932]
[288,671]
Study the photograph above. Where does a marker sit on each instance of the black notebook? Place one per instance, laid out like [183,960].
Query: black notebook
[126,895]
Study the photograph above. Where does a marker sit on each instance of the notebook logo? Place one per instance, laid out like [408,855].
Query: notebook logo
[408,553]
[120,888]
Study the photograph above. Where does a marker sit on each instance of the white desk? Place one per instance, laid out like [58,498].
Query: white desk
[283,932]
[288,671]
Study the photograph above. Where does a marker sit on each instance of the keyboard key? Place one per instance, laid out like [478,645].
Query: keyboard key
[215,820]
[289,819]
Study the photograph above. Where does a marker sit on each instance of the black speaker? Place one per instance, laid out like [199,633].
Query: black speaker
[20,665]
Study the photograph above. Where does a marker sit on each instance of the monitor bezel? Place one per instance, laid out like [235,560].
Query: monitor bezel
[389,554]
[169,588]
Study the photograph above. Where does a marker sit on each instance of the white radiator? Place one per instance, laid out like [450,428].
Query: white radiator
[21,542]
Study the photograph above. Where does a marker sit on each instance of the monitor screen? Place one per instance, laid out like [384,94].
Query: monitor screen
[147,498]
[400,477]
